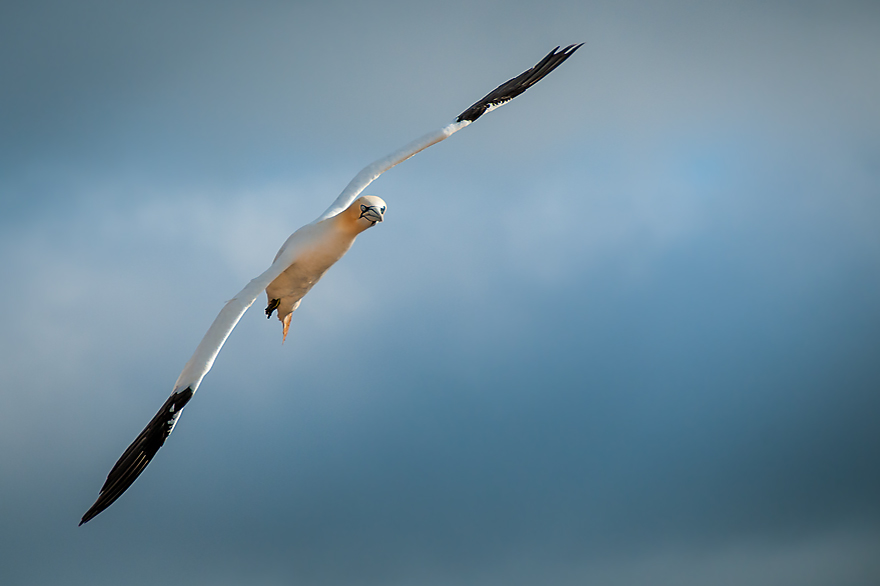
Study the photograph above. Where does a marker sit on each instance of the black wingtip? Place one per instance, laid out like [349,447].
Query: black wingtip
[141,451]
[514,87]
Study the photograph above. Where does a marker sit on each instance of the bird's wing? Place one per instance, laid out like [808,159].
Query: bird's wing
[144,447]
[497,97]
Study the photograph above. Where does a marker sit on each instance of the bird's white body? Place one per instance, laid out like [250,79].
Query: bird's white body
[315,248]
[300,263]
[320,246]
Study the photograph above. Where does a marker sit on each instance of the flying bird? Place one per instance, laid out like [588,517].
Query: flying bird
[300,263]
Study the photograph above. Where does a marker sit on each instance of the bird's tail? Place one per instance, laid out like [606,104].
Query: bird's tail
[286,322]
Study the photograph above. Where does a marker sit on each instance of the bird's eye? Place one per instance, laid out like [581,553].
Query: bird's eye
[363,208]
[383,209]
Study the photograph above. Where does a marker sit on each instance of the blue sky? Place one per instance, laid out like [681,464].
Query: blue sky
[621,331]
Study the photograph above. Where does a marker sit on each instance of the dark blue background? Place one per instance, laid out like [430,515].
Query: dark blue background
[624,330]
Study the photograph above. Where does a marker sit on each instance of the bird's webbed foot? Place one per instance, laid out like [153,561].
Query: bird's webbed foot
[273,305]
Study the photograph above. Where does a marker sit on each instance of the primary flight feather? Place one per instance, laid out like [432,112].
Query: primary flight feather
[300,263]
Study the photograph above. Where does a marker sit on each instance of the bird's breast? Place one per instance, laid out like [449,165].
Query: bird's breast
[308,267]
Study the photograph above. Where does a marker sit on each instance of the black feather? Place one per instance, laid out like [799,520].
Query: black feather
[139,453]
[514,87]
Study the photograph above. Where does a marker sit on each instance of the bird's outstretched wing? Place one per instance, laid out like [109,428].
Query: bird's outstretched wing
[136,457]
[497,97]
[144,447]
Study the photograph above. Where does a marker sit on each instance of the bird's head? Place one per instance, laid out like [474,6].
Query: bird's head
[369,210]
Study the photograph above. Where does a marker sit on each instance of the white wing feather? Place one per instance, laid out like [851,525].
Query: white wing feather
[203,358]
[369,173]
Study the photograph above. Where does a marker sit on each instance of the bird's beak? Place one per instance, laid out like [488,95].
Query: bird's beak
[372,214]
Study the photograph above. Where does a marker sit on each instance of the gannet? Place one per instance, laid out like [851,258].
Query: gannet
[300,263]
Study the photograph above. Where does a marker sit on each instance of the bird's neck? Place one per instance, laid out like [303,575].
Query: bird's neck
[349,222]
